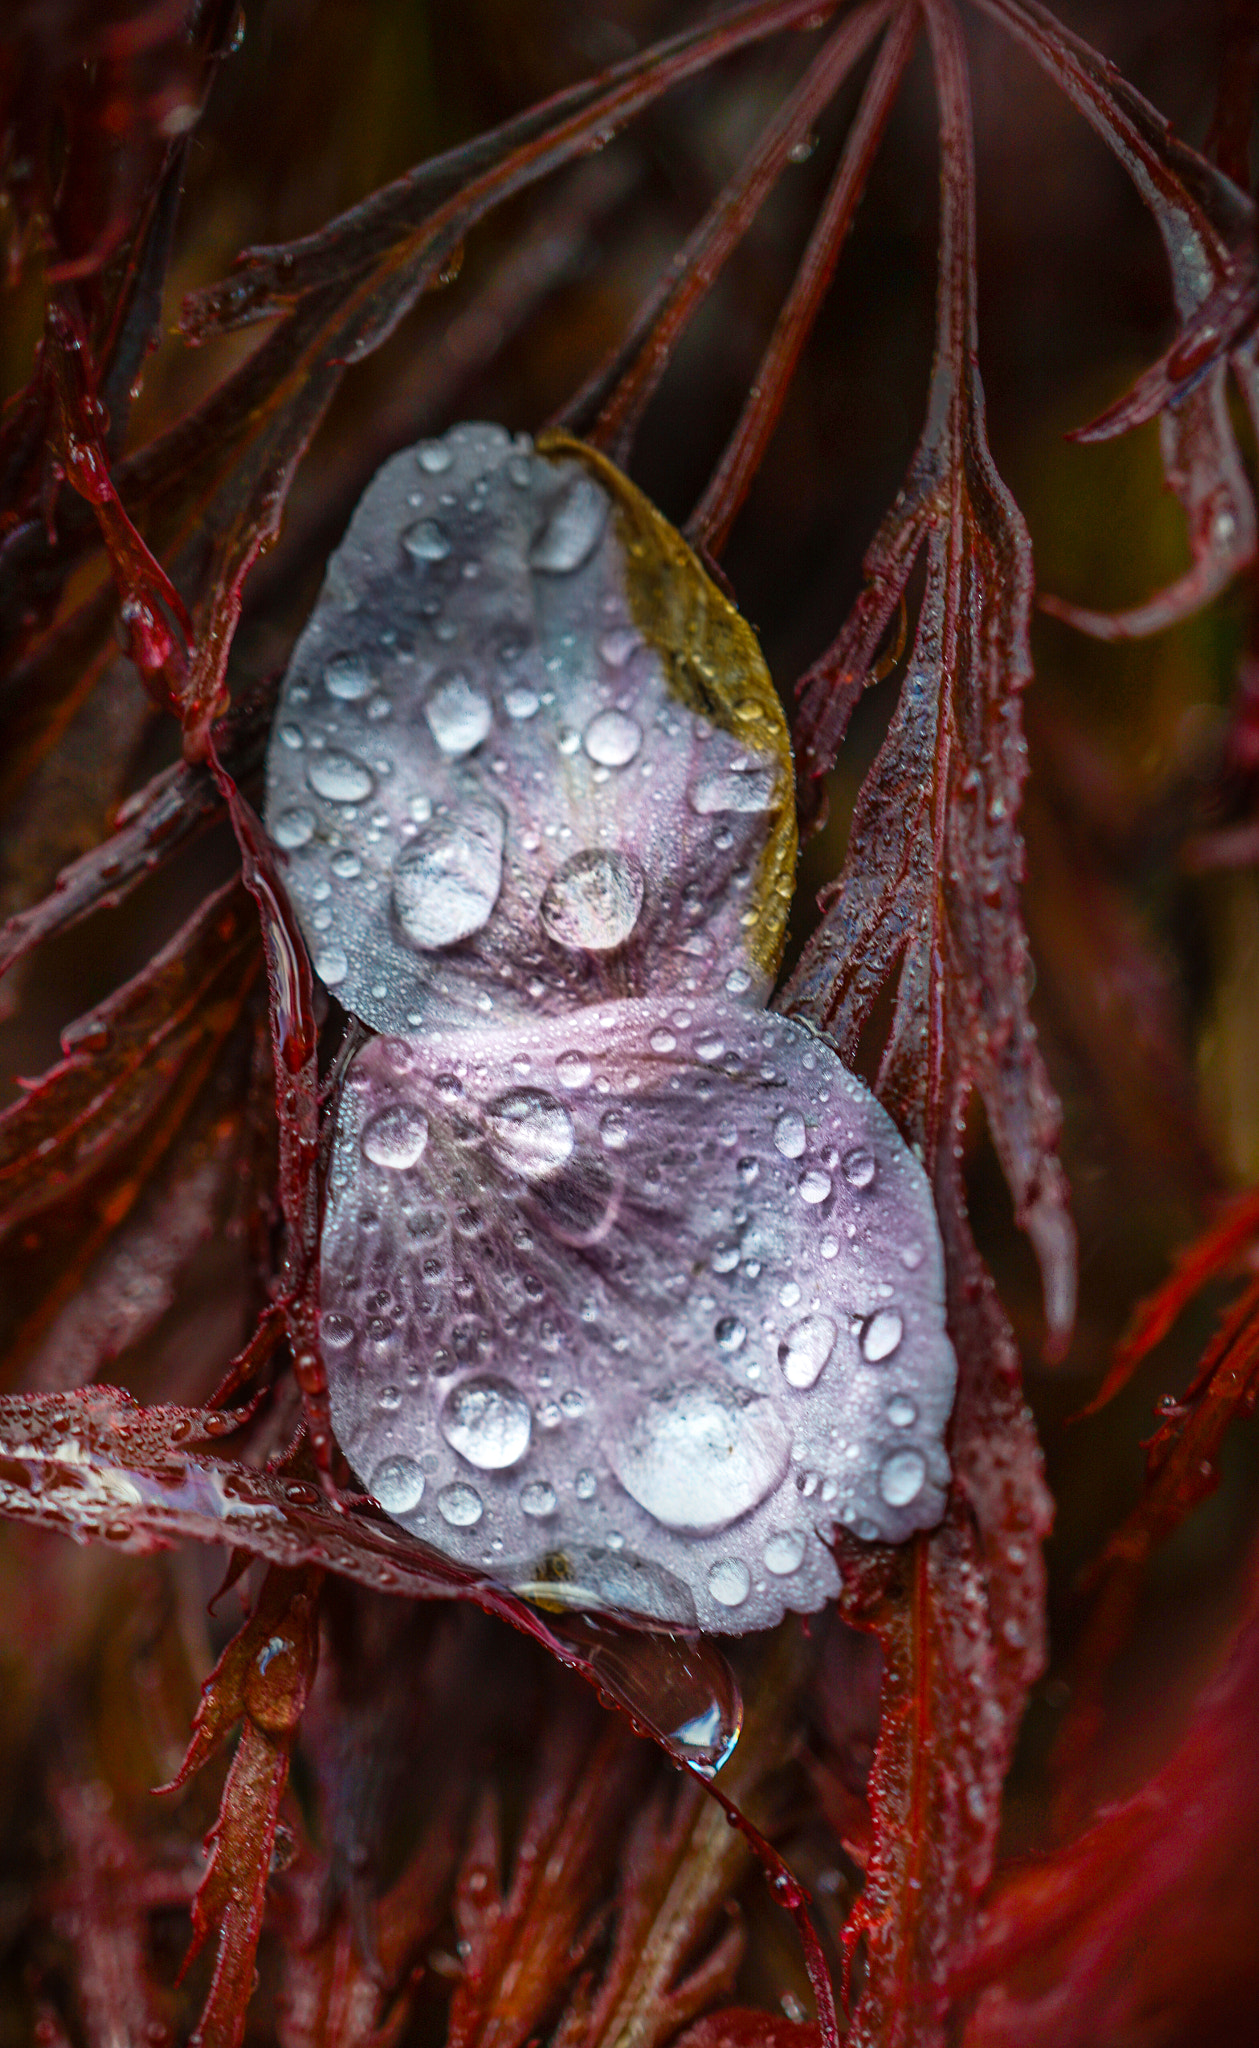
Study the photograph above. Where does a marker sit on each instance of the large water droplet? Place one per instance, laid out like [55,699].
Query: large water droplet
[425,542]
[729,1581]
[396,1137]
[593,901]
[901,1477]
[339,777]
[398,1484]
[583,1576]
[460,1505]
[806,1349]
[880,1335]
[531,1133]
[784,1552]
[349,678]
[294,828]
[573,528]
[487,1422]
[683,1687]
[446,882]
[789,1134]
[612,738]
[729,790]
[697,1457]
[459,715]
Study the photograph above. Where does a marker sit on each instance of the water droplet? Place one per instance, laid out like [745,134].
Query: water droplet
[460,1505]
[697,1457]
[614,1131]
[459,715]
[738,981]
[389,1398]
[729,790]
[911,1257]
[520,702]
[806,1349]
[784,1552]
[487,1422]
[729,1581]
[681,1685]
[530,1132]
[572,1069]
[336,1331]
[434,457]
[339,777]
[331,966]
[731,1334]
[396,1137]
[537,1498]
[585,1486]
[880,1335]
[573,529]
[425,542]
[612,738]
[901,1412]
[346,865]
[857,1167]
[789,1134]
[592,902]
[663,1041]
[398,1484]
[724,1257]
[901,1477]
[814,1186]
[446,882]
[349,678]
[294,828]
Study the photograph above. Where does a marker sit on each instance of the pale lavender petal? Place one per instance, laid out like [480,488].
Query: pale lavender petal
[491,772]
[630,1308]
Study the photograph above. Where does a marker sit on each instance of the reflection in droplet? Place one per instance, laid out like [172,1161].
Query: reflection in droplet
[573,528]
[425,542]
[697,1457]
[857,1167]
[730,1581]
[349,678]
[398,1484]
[488,1422]
[332,966]
[806,1349]
[614,1131]
[530,1132]
[789,1134]
[784,1552]
[681,1685]
[459,715]
[460,1505]
[446,882]
[901,1477]
[880,1335]
[396,1138]
[612,739]
[293,828]
[572,1069]
[592,902]
[339,777]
